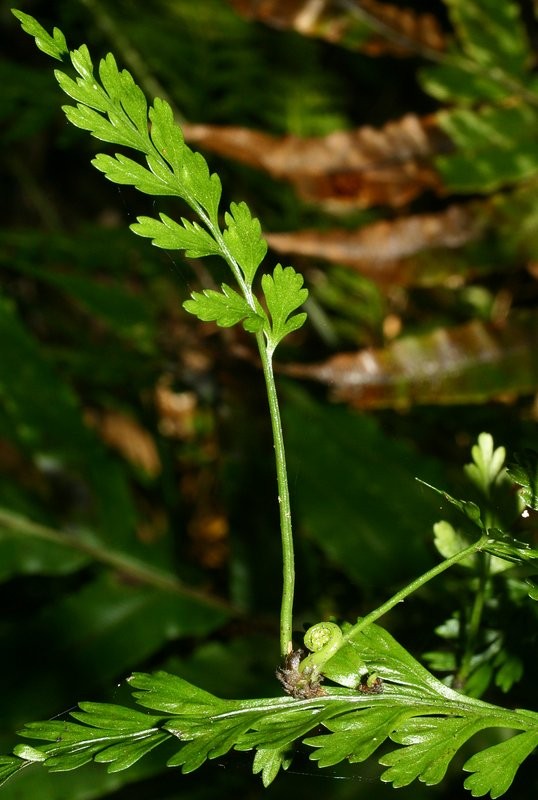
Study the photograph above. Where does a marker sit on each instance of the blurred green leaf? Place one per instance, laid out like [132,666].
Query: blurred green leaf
[125,311]
[453,82]
[449,541]
[94,635]
[505,546]
[354,491]
[28,103]
[493,54]
[495,147]
[487,463]
[26,556]
[53,430]
[509,671]
[492,34]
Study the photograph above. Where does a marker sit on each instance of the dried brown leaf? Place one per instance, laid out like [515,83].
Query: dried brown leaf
[368,166]
[386,251]
[176,411]
[370,26]
[402,31]
[128,437]
[209,531]
[470,363]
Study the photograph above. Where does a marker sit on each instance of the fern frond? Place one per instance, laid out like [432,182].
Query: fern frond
[429,722]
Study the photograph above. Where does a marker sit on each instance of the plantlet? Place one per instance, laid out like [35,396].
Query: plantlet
[355,681]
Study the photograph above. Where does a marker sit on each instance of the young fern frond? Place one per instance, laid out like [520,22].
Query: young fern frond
[113,109]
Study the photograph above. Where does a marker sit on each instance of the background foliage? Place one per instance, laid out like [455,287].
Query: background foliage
[391,153]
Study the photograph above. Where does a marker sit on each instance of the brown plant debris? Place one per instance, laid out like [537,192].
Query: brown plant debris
[387,251]
[369,26]
[369,166]
[209,531]
[124,434]
[176,410]
[469,363]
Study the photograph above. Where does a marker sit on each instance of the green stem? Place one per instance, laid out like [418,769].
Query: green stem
[400,596]
[473,627]
[288,561]
[132,568]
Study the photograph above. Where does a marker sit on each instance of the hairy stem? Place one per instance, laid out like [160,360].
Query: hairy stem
[288,561]
[400,596]
[472,628]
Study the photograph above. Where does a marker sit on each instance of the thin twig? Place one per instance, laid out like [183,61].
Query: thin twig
[125,564]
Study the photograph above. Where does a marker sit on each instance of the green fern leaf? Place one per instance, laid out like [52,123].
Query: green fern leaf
[467,507]
[119,98]
[105,733]
[107,716]
[487,463]
[495,768]
[283,293]
[89,120]
[354,737]
[170,694]
[491,33]
[83,92]
[244,240]
[430,745]
[54,45]
[428,719]
[269,762]
[208,742]
[503,545]
[226,308]
[170,235]
[193,180]
[9,766]
[493,59]
[123,170]
[125,96]
[124,755]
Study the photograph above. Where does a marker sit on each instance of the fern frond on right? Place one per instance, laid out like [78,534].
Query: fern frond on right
[429,721]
